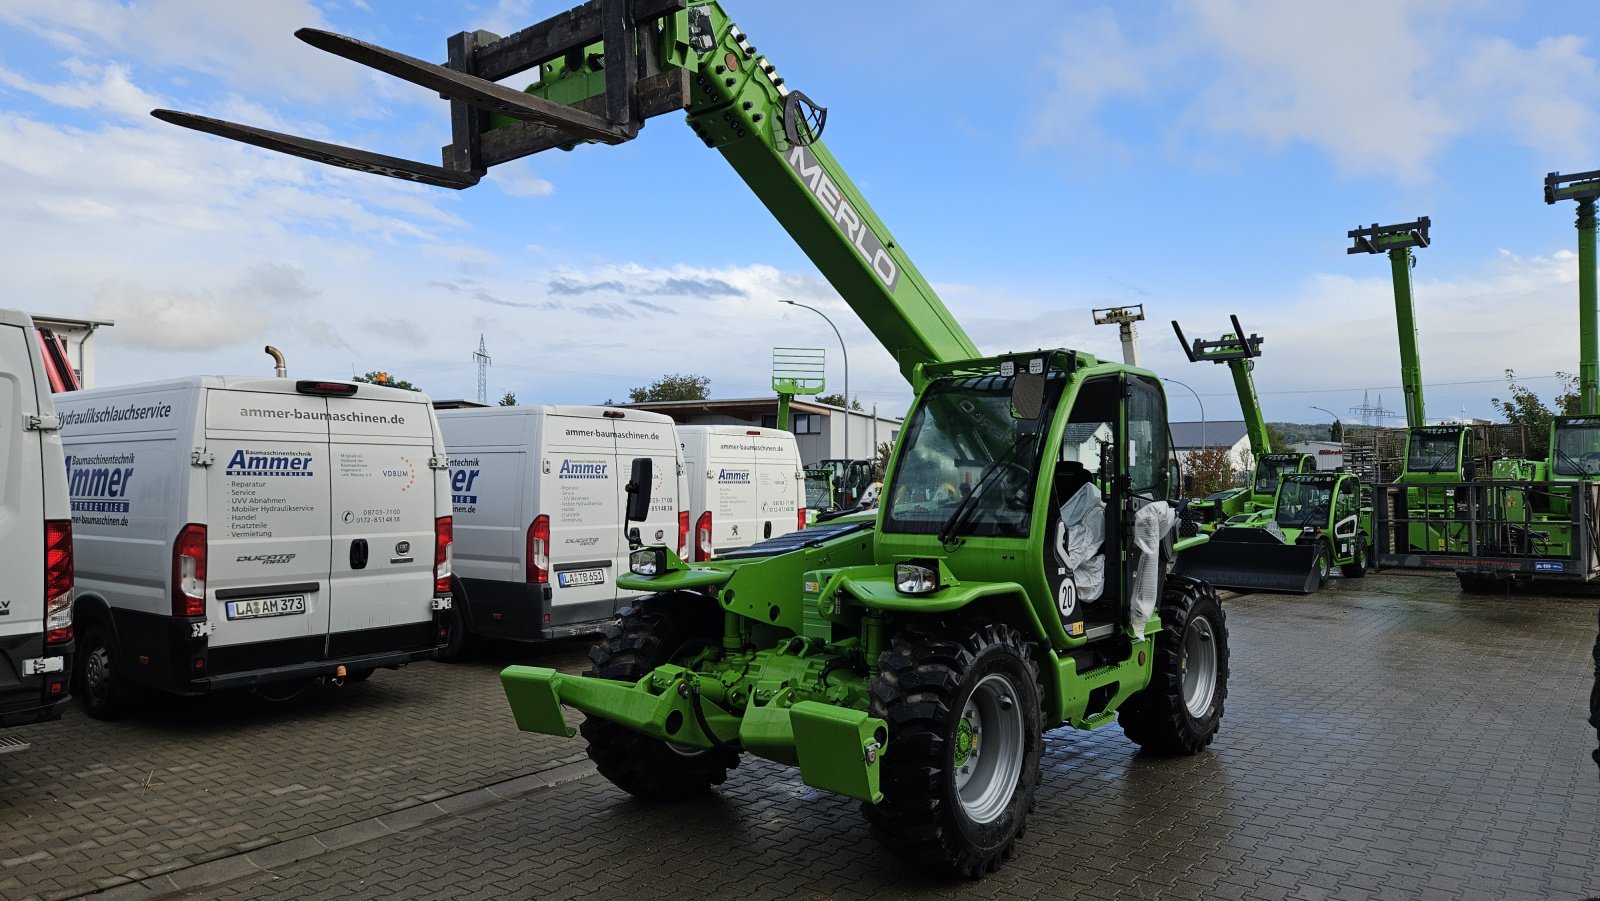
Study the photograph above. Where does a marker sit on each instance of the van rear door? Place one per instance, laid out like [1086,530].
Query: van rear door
[578,490]
[267,556]
[779,491]
[731,470]
[383,513]
[22,514]
[658,440]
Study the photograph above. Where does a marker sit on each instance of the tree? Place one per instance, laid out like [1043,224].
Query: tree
[1336,432]
[508,400]
[673,387]
[837,400]
[880,463]
[1527,409]
[1210,468]
[379,377]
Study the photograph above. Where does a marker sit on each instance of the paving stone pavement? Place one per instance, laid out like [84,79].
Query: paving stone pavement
[188,780]
[1388,738]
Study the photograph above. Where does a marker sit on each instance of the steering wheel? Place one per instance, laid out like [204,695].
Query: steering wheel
[1590,462]
[1014,483]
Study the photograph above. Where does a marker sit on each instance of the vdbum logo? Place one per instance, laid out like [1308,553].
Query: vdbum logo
[577,469]
[269,463]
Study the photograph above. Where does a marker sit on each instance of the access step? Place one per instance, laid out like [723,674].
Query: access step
[9,745]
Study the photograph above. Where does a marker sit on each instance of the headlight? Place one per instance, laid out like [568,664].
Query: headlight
[915,578]
[650,561]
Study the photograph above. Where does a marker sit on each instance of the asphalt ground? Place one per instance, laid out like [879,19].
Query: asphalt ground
[1386,738]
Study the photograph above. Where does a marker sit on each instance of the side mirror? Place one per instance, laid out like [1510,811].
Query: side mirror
[639,479]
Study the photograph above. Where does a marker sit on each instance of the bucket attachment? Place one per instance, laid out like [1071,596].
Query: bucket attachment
[1251,560]
[620,38]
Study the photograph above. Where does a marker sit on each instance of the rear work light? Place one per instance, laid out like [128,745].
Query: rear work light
[325,389]
[189,571]
[539,550]
[702,538]
[683,534]
[57,581]
[444,542]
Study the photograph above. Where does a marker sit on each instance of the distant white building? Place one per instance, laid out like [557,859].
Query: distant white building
[1329,454]
[1189,438]
[818,428]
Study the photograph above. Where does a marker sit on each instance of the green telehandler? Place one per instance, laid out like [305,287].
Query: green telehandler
[1011,581]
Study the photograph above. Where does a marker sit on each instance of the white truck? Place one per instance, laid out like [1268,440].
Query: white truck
[262,533]
[539,494]
[745,484]
[36,639]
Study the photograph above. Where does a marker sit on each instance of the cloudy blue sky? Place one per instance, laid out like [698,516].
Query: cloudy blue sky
[1036,160]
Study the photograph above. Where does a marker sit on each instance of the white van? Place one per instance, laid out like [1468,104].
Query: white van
[238,532]
[539,496]
[744,485]
[36,640]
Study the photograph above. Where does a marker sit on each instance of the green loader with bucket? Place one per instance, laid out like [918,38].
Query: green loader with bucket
[1015,576]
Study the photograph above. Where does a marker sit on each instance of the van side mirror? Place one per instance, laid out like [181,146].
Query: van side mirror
[638,488]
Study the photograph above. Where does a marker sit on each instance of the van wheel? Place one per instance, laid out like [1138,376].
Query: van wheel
[1180,710]
[662,629]
[460,646]
[962,703]
[105,696]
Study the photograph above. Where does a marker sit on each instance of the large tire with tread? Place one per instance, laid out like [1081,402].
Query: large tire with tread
[1358,568]
[105,695]
[660,630]
[1180,710]
[962,763]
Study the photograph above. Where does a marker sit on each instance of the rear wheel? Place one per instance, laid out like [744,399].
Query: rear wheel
[663,629]
[958,778]
[99,668]
[1357,568]
[1181,709]
[459,647]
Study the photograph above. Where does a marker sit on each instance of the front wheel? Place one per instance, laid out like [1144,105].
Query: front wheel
[958,778]
[662,629]
[1180,711]
[1357,568]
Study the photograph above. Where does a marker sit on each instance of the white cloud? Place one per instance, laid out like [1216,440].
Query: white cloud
[1099,65]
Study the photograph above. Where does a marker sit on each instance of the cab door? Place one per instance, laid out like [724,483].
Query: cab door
[383,511]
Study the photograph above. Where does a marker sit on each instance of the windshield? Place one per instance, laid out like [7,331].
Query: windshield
[1432,452]
[1304,503]
[1577,448]
[1272,468]
[960,430]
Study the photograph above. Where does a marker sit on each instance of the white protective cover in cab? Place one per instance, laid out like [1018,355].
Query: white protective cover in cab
[750,479]
[568,463]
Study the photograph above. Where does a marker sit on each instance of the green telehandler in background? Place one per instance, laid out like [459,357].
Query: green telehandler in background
[1010,582]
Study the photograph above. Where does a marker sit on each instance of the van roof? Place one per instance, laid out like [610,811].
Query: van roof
[260,384]
[579,411]
[733,430]
[15,317]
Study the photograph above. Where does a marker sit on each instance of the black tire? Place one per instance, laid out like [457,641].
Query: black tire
[1358,568]
[460,646]
[932,685]
[1160,718]
[105,696]
[1323,565]
[660,630]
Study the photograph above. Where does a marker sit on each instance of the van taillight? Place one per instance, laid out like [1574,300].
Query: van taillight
[444,542]
[683,534]
[57,581]
[325,389]
[189,571]
[702,538]
[800,520]
[539,550]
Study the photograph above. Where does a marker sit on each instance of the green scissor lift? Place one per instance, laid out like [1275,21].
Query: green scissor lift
[1013,580]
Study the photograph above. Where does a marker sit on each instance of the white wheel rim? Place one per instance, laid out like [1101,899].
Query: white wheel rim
[988,749]
[1199,666]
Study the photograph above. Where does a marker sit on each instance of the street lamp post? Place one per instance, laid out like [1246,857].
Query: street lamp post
[1202,404]
[846,354]
[1335,420]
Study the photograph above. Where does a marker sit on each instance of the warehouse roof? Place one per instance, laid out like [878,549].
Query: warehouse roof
[1217,433]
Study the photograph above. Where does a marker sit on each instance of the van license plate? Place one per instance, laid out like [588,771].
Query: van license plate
[581,577]
[266,607]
